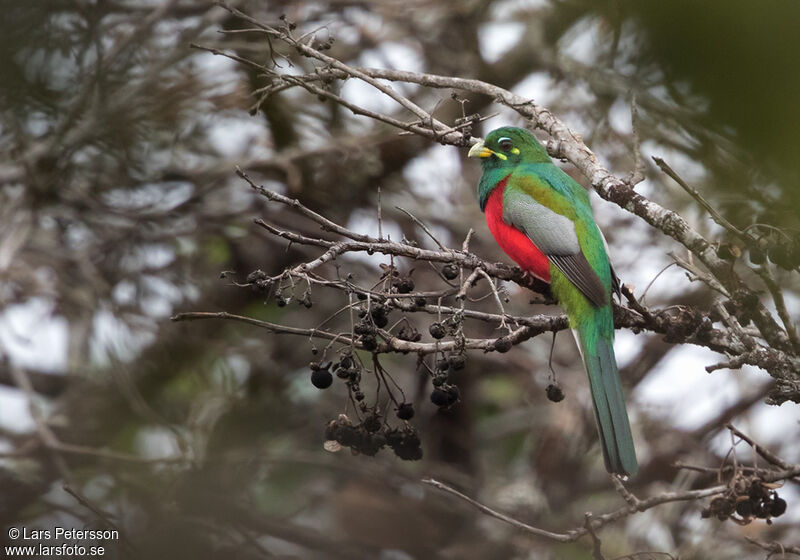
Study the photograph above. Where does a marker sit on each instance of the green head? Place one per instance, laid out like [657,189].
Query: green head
[507,147]
[501,152]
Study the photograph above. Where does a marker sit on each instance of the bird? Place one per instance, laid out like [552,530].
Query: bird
[543,220]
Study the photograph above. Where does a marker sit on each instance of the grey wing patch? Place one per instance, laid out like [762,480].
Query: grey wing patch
[555,236]
[578,270]
[551,232]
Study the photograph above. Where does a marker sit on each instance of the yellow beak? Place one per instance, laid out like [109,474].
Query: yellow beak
[480,150]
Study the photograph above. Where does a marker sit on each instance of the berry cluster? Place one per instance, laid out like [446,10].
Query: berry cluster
[445,394]
[396,282]
[780,250]
[372,435]
[784,254]
[449,326]
[346,368]
[373,319]
[260,282]
[450,271]
[372,432]
[369,431]
[401,284]
[749,500]
[743,305]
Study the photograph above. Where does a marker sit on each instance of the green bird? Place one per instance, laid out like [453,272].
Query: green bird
[542,219]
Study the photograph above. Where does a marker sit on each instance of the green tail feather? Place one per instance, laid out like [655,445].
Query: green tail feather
[609,402]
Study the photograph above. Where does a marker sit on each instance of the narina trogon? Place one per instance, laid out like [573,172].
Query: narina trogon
[543,220]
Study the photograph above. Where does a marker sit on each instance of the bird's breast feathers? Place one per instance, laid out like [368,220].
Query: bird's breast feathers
[511,240]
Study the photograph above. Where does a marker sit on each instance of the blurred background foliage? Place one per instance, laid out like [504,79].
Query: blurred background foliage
[119,207]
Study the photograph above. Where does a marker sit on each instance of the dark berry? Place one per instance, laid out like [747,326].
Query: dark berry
[457,361]
[420,301]
[409,453]
[729,251]
[554,392]
[321,378]
[437,330]
[405,411]
[359,396]
[361,296]
[440,397]
[372,423]
[503,344]
[394,438]
[724,506]
[262,286]
[281,302]
[255,276]
[346,435]
[453,394]
[450,271]
[745,508]
[380,320]
[778,507]
[404,285]
[378,439]
[376,310]
[409,333]
[781,255]
[405,443]
[761,510]
[442,364]
[368,342]
[439,380]
[366,447]
[757,491]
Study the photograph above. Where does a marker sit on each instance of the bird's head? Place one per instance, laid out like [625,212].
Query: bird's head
[507,147]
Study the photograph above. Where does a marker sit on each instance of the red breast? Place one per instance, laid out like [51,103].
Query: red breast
[516,244]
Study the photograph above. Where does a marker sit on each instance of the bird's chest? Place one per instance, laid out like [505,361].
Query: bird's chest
[513,242]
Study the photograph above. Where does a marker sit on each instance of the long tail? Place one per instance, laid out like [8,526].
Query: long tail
[609,402]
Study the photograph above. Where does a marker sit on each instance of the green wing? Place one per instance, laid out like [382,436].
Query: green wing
[532,205]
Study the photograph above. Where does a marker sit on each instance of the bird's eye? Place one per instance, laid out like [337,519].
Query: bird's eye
[505,144]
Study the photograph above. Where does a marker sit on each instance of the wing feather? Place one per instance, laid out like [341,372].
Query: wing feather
[554,234]
[582,275]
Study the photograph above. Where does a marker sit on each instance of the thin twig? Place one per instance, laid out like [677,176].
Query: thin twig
[716,216]
[597,545]
[423,226]
[767,454]
[775,547]
[560,537]
[780,304]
